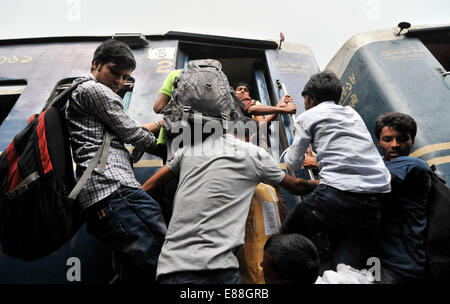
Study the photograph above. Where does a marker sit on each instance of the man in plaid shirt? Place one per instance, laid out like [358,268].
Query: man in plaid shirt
[118,212]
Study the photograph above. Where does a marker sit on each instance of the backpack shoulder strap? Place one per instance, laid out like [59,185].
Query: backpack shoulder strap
[101,156]
[60,100]
[237,100]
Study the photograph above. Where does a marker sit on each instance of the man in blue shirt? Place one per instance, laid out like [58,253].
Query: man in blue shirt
[403,220]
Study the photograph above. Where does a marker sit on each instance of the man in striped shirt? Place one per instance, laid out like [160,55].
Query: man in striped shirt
[118,212]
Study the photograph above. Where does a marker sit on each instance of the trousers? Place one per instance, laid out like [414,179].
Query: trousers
[130,223]
[340,221]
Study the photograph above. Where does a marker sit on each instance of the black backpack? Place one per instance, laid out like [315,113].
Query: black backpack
[437,242]
[38,211]
[202,93]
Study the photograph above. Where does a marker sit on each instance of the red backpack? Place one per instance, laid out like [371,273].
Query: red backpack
[38,214]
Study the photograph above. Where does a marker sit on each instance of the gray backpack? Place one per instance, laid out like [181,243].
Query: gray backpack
[202,92]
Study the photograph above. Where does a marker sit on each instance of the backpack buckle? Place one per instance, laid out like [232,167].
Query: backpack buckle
[11,195]
[225,120]
[184,119]
[17,191]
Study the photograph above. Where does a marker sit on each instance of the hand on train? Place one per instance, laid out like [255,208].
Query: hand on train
[288,105]
[310,160]
[286,99]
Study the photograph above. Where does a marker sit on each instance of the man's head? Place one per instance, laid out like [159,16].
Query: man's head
[395,133]
[242,90]
[290,259]
[112,64]
[321,87]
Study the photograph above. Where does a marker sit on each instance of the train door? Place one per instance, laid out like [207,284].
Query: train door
[239,64]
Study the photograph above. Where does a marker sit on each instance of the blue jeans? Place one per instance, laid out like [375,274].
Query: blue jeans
[130,223]
[348,220]
[219,276]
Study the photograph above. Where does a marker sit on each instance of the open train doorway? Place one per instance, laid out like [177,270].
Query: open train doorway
[247,63]
[238,63]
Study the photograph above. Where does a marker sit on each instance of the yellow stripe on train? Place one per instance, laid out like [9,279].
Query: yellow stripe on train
[431,148]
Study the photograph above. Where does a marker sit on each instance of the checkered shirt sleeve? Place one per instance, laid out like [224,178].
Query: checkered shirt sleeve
[93,109]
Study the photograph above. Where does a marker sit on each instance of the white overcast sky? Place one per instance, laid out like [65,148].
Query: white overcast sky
[322,25]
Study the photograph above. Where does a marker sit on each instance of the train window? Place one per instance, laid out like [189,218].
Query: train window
[437,42]
[10,92]
[125,92]
[441,51]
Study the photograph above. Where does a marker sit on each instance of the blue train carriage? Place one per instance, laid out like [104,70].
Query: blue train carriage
[32,71]
[403,69]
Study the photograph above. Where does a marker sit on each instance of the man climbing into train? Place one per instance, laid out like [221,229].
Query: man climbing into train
[118,212]
[346,204]
[402,238]
[212,203]
[251,109]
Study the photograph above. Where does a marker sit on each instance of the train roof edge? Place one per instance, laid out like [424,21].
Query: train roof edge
[201,38]
[341,59]
[139,40]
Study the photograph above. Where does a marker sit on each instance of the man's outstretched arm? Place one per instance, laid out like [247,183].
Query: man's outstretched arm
[158,179]
[295,185]
[161,101]
[154,127]
[285,106]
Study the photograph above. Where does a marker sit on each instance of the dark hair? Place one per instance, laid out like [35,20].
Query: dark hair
[242,83]
[295,258]
[324,86]
[116,52]
[400,122]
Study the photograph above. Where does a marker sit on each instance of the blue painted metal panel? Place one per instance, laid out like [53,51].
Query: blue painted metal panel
[293,70]
[152,67]
[41,74]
